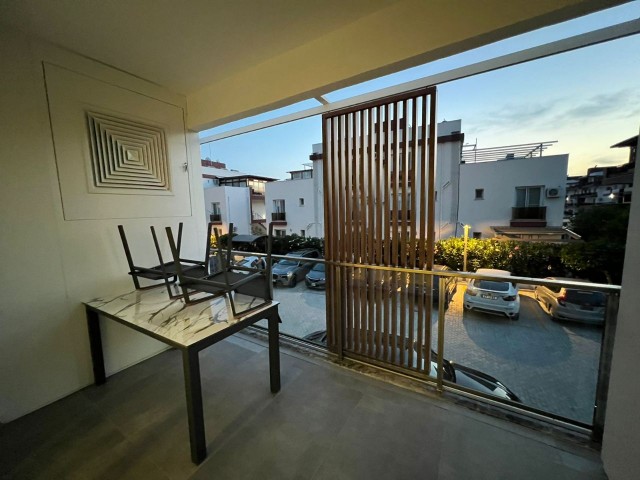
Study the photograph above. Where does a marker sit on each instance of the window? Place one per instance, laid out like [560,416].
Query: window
[279,233]
[301,202]
[302,233]
[479,193]
[278,206]
[477,234]
[215,208]
[528,196]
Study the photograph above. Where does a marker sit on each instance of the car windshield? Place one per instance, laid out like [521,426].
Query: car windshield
[583,297]
[288,263]
[491,285]
[318,267]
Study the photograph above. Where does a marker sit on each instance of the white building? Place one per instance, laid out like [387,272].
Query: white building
[506,192]
[234,197]
[296,205]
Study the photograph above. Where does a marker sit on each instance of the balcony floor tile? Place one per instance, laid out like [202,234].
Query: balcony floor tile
[327,422]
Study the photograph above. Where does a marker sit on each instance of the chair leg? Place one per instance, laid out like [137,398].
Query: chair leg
[127,253]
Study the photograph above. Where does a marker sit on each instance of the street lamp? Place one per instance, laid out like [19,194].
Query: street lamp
[466,238]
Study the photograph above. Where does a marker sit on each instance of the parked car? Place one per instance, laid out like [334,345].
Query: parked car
[252,262]
[452,372]
[574,304]
[289,271]
[493,296]
[316,278]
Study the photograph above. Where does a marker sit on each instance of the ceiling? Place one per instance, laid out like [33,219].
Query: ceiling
[232,58]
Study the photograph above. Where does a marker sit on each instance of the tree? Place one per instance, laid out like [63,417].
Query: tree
[604,231]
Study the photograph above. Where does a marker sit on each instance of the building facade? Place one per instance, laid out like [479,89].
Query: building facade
[234,197]
[511,196]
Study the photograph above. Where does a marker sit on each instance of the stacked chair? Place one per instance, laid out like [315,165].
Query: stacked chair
[228,280]
[166,271]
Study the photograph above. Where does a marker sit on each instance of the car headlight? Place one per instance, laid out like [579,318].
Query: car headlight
[289,274]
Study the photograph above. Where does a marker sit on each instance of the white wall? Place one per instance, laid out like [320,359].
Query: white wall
[307,217]
[51,265]
[622,426]
[234,207]
[499,180]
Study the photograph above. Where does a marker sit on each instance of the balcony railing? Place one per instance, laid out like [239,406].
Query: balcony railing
[393,321]
[529,213]
[215,217]
[279,217]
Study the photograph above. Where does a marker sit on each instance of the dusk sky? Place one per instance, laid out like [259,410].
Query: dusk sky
[587,100]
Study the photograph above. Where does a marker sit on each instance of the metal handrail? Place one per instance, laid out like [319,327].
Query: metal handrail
[596,287]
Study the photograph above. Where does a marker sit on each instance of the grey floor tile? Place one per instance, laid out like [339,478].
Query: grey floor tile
[327,422]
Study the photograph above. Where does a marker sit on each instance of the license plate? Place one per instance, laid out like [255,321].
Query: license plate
[486,295]
[313,284]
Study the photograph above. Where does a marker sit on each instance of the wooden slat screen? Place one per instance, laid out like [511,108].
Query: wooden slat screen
[379,210]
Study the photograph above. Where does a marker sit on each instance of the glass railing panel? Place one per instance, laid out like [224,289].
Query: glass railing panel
[511,343]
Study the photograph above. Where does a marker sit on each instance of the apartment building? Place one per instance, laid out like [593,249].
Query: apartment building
[234,197]
[602,185]
[514,192]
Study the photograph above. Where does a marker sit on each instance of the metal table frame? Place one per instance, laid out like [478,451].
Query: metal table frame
[191,363]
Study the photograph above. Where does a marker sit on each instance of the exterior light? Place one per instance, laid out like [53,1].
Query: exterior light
[612,195]
[466,238]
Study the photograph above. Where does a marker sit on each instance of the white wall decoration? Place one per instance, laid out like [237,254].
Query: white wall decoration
[127,154]
[119,153]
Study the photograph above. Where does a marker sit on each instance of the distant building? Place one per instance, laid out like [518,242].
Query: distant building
[602,185]
[234,197]
[514,193]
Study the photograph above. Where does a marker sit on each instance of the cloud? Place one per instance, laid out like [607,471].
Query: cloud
[548,115]
[623,103]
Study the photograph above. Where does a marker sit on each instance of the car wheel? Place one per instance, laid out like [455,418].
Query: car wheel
[293,282]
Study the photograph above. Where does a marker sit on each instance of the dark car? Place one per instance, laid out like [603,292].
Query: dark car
[316,277]
[289,271]
[452,372]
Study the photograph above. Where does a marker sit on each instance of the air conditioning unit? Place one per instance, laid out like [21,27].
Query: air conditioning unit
[553,192]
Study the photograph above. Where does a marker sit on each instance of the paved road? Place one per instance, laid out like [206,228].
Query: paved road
[551,366]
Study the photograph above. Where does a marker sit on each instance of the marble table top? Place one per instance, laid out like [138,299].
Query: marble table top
[152,310]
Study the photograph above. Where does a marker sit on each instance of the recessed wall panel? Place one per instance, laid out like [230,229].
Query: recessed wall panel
[119,154]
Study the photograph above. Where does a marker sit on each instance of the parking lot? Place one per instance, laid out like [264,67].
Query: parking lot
[551,366]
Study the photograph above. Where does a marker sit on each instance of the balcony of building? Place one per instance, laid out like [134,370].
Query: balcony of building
[215,218]
[327,422]
[279,218]
[528,217]
[334,417]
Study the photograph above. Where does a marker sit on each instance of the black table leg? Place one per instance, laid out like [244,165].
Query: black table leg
[193,388]
[274,351]
[95,343]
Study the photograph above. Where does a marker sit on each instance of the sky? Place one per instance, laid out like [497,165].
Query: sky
[587,100]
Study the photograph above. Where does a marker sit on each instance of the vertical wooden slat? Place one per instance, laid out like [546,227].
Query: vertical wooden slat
[371,256]
[352,179]
[394,234]
[340,234]
[433,140]
[328,183]
[387,232]
[402,232]
[424,308]
[366,323]
[379,222]
[412,230]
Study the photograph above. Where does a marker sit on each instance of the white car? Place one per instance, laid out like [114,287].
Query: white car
[493,296]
